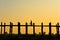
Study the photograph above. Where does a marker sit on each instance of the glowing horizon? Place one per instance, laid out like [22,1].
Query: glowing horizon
[25,10]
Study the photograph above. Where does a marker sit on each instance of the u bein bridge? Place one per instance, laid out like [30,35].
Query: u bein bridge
[26,26]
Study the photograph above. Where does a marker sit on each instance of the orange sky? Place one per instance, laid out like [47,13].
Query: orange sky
[25,10]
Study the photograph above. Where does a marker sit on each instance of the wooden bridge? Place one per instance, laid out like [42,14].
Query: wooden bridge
[11,25]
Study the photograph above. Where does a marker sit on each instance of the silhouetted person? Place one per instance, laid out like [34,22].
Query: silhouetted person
[18,28]
[31,23]
[34,28]
[11,25]
[57,29]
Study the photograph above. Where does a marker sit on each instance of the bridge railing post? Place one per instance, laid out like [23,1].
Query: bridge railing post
[50,30]
[42,28]
[1,28]
[26,28]
[33,28]
[4,27]
[18,28]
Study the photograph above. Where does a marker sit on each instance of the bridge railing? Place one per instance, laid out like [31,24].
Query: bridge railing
[11,25]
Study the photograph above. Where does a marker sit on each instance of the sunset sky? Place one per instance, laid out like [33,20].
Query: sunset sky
[25,10]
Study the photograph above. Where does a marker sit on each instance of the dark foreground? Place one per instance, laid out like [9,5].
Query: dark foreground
[29,37]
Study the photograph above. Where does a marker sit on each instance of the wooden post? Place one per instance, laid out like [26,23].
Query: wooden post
[50,29]
[4,27]
[42,28]
[57,29]
[18,28]
[1,28]
[34,28]
[11,25]
[26,28]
